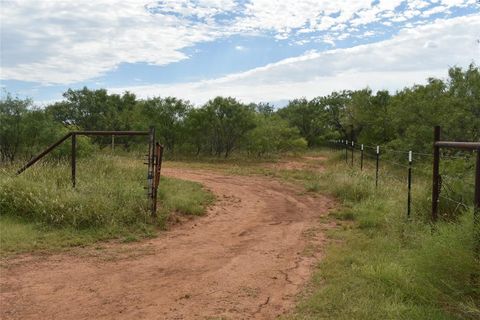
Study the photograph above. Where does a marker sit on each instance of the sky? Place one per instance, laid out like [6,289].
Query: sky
[254,50]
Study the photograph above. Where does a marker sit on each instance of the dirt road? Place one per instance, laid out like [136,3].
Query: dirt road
[247,258]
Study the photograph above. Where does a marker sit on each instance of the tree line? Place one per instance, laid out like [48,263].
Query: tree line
[223,125]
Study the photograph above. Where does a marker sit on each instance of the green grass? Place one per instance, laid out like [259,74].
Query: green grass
[39,210]
[387,266]
[379,264]
[20,235]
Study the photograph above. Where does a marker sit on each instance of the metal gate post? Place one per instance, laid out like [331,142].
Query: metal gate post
[476,208]
[74,159]
[158,168]
[151,169]
[409,198]
[436,175]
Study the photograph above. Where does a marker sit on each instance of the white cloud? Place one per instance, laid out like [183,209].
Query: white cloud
[410,57]
[202,9]
[68,41]
[62,41]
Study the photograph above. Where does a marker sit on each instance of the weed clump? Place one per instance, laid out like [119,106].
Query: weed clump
[108,201]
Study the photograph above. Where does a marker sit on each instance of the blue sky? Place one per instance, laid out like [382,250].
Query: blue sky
[256,50]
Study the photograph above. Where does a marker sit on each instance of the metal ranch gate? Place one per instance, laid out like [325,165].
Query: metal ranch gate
[154,158]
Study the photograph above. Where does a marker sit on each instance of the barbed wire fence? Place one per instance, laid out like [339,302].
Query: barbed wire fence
[358,154]
[449,188]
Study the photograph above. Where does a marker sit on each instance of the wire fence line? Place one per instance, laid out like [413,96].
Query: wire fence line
[387,150]
[380,154]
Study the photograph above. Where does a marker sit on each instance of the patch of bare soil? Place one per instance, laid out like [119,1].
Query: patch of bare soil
[247,258]
[304,163]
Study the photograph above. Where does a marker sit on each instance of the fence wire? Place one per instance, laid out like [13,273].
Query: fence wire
[447,192]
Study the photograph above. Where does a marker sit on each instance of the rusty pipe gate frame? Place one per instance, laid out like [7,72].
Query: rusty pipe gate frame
[154,158]
[472,146]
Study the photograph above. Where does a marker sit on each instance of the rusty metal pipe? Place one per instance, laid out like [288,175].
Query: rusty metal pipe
[458,145]
[42,154]
[109,133]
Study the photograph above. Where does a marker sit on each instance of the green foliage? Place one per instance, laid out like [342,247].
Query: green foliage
[12,111]
[24,130]
[273,135]
[95,109]
[452,104]
[198,131]
[109,200]
[403,120]
[168,116]
[228,121]
[310,117]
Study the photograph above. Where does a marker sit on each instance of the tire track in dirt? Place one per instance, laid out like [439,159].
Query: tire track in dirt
[244,260]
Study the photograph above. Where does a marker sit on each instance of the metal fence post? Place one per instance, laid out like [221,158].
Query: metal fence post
[158,168]
[376,166]
[353,147]
[361,158]
[151,169]
[476,208]
[409,199]
[436,176]
[346,151]
[74,159]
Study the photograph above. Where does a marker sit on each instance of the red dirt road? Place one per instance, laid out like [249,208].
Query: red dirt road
[247,258]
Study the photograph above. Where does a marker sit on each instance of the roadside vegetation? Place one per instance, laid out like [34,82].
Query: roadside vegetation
[381,264]
[40,210]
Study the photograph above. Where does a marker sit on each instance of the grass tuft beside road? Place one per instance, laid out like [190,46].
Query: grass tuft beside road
[39,210]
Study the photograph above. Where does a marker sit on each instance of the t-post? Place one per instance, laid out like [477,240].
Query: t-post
[376,166]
